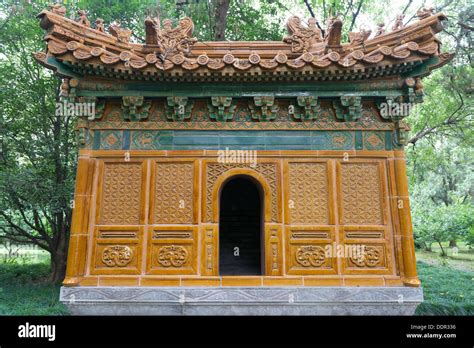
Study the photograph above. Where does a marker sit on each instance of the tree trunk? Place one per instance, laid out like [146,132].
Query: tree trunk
[222,7]
[58,268]
[59,259]
[443,253]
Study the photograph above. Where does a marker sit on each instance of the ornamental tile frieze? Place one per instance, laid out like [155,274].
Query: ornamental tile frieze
[303,112]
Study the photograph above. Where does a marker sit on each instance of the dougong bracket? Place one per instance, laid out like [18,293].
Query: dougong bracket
[349,108]
[178,108]
[221,108]
[135,108]
[263,108]
[401,132]
[307,108]
[99,107]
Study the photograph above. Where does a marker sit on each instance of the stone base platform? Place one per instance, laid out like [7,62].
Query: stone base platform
[241,300]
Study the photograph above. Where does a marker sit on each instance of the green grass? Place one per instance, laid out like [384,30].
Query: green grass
[24,291]
[447,290]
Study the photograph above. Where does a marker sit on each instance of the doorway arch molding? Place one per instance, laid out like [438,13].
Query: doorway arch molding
[235,172]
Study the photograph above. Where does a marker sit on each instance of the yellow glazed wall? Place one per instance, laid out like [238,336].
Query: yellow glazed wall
[131,206]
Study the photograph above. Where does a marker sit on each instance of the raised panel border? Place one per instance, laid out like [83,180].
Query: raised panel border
[190,244]
[291,269]
[134,242]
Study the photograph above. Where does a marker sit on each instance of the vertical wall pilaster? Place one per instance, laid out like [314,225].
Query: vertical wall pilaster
[77,252]
[409,277]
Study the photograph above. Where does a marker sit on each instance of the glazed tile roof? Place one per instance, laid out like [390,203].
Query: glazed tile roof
[306,54]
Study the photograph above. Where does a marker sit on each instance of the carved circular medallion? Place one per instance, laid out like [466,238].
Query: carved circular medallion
[412,46]
[202,59]
[410,82]
[254,58]
[228,58]
[125,56]
[172,255]
[151,58]
[117,255]
[368,257]
[281,58]
[97,51]
[310,255]
[372,257]
[72,45]
[358,54]
[73,82]
[178,59]
[334,56]
[307,57]
[385,50]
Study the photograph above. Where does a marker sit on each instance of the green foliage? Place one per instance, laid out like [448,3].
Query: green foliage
[37,175]
[440,155]
[446,291]
[440,223]
[24,291]
[470,237]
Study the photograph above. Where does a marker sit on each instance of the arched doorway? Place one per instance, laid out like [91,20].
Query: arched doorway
[240,227]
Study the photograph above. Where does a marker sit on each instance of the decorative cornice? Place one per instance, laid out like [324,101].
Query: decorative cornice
[172,51]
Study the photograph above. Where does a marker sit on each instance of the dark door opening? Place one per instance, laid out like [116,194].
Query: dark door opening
[240,221]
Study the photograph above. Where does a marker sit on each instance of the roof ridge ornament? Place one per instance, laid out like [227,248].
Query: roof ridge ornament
[358,38]
[399,22]
[333,35]
[58,9]
[302,38]
[122,34]
[83,18]
[380,29]
[99,25]
[424,12]
[169,40]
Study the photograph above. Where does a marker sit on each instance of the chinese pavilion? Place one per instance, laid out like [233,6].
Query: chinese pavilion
[230,177]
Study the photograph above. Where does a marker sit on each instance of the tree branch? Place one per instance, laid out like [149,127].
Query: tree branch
[311,12]
[356,14]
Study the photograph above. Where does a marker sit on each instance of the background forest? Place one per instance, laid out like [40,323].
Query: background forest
[38,149]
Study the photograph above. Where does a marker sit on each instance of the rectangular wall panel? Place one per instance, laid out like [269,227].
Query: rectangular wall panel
[121,201]
[309,250]
[117,250]
[308,201]
[173,193]
[172,250]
